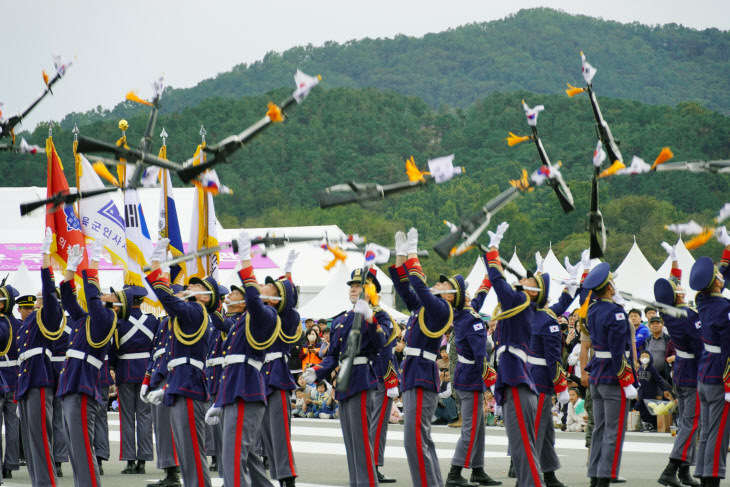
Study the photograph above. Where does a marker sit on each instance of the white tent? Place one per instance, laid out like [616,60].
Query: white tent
[634,271]
[491,302]
[332,300]
[686,261]
[557,272]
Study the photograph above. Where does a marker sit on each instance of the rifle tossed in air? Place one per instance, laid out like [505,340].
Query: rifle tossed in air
[62,199]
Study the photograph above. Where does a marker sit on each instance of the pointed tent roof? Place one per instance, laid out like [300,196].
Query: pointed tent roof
[686,261]
[333,299]
[557,272]
[634,271]
[26,282]
[491,302]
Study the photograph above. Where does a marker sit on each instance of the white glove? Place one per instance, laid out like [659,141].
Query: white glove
[47,242]
[572,269]
[160,251]
[96,248]
[166,268]
[630,392]
[310,376]
[496,237]
[362,307]
[412,241]
[143,392]
[155,397]
[401,244]
[585,259]
[618,299]
[290,261]
[244,246]
[727,397]
[671,251]
[392,392]
[722,236]
[540,262]
[213,415]
[564,397]
[75,256]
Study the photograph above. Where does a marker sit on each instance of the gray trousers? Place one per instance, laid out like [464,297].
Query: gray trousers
[610,414]
[36,413]
[134,414]
[241,429]
[419,405]
[164,443]
[276,435]
[469,451]
[519,411]
[354,414]
[688,425]
[545,435]
[60,432]
[79,412]
[187,418]
[714,431]
[379,421]
[210,443]
[11,460]
[101,428]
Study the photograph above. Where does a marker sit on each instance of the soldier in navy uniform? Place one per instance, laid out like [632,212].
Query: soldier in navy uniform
[26,307]
[687,340]
[612,376]
[714,366]
[78,384]
[36,379]
[9,371]
[184,392]
[431,316]
[60,431]
[8,323]
[101,423]
[354,401]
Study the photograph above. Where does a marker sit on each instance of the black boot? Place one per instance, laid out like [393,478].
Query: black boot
[290,482]
[384,479]
[686,477]
[594,481]
[130,468]
[172,479]
[213,464]
[479,476]
[59,472]
[511,472]
[551,480]
[140,467]
[603,482]
[669,475]
[456,480]
[7,473]
[712,481]
[98,463]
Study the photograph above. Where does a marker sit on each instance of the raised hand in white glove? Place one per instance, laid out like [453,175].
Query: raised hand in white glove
[671,251]
[727,397]
[293,254]
[572,269]
[722,236]
[363,308]
[412,241]
[630,392]
[496,237]
[401,244]
[310,376]
[75,256]
[244,246]
[166,268]
[143,392]
[96,249]
[213,415]
[155,397]
[47,242]
[540,262]
[564,397]
[585,259]
[392,392]
[618,299]
[160,250]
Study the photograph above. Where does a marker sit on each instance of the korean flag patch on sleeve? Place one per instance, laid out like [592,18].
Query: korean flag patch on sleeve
[554,328]
[620,316]
[478,326]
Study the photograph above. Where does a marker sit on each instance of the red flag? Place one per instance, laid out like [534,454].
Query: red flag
[64,222]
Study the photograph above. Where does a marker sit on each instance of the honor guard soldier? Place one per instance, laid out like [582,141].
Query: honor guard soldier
[713,367]
[155,378]
[60,432]
[101,423]
[241,399]
[217,332]
[8,323]
[184,391]
[515,389]
[129,355]
[9,371]
[279,381]
[26,307]
[78,384]
[431,317]
[354,400]
[611,375]
[687,340]
[36,379]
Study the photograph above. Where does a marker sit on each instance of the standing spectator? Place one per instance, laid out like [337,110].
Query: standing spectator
[310,351]
[325,343]
[642,331]
[650,312]
[657,344]
[295,359]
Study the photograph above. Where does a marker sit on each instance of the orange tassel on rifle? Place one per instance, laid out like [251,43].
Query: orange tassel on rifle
[372,294]
[45,78]
[274,113]
[132,96]
[663,157]
[523,183]
[516,139]
[102,171]
[414,174]
[613,169]
[700,239]
[583,310]
[573,90]
[338,254]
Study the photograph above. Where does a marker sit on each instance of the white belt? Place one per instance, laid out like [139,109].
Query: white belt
[8,363]
[212,362]
[537,361]
[77,354]
[270,357]
[712,348]
[607,354]
[361,361]
[57,358]
[184,360]
[158,353]
[684,354]
[417,352]
[465,360]
[513,350]
[33,352]
[239,359]
[133,356]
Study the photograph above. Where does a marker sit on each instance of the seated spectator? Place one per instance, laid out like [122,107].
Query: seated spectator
[395,414]
[446,411]
[490,407]
[319,400]
[652,386]
[310,351]
[299,405]
[308,388]
[443,360]
[557,414]
[577,416]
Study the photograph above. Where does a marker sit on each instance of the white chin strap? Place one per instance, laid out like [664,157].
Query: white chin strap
[190,294]
[270,298]
[234,303]
[446,291]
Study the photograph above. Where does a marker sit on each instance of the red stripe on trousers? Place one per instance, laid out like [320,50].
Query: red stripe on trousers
[237,460]
[87,443]
[419,440]
[121,426]
[366,435]
[619,436]
[194,439]
[381,418]
[695,425]
[46,450]
[285,413]
[718,442]
[474,419]
[538,416]
[525,439]
[174,450]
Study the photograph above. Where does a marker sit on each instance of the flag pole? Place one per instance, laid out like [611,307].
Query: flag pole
[165,174]
[77,158]
[202,133]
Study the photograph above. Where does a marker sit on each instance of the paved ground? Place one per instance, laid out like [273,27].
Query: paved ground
[320,457]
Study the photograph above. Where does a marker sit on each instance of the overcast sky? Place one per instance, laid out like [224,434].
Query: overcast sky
[124,45]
